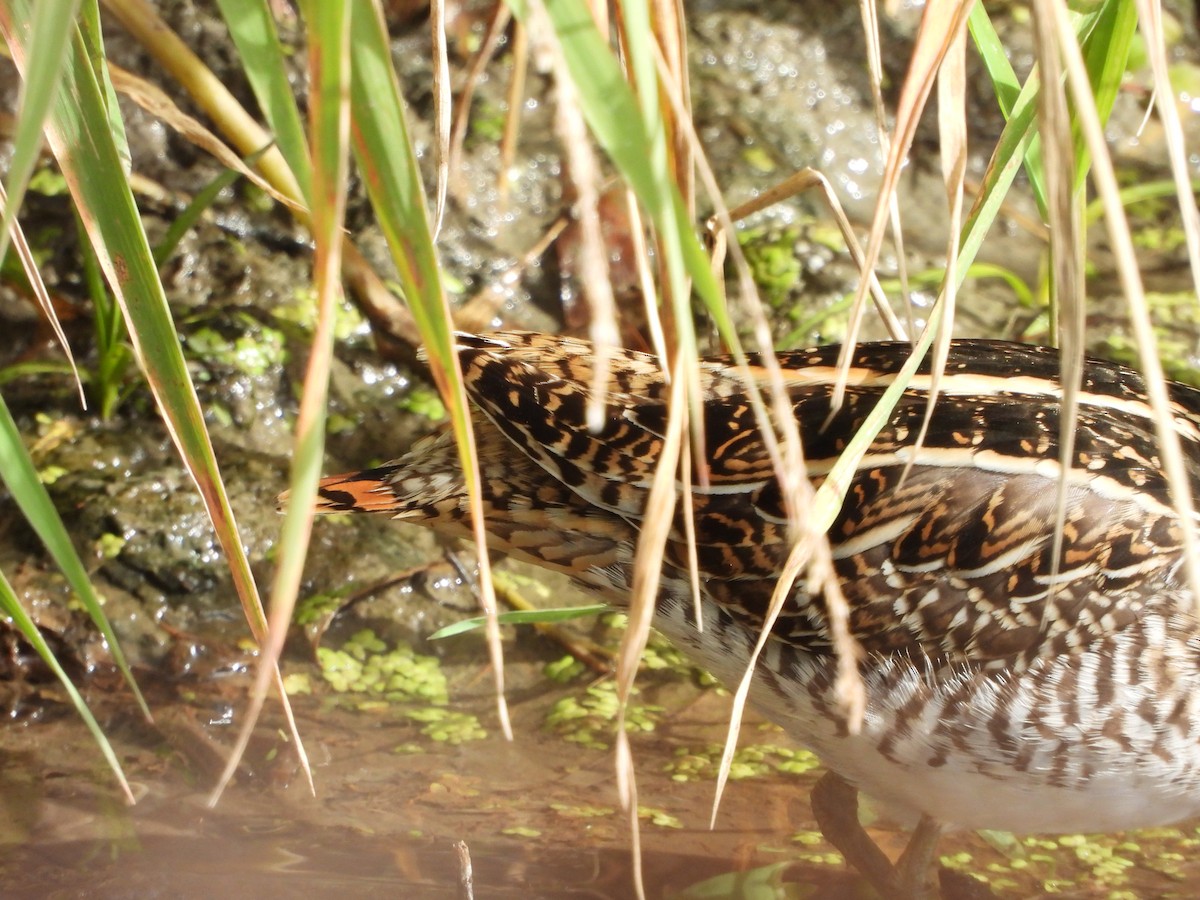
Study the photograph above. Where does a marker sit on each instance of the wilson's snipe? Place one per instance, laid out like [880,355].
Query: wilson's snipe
[1005,690]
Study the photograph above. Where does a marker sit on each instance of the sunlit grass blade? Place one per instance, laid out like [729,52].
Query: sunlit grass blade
[1105,181]
[244,132]
[329,117]
[1004,81]
[1008,90]
[49,37]
[1010,152]
[384,153]
[442,109]
[91,39]
[1152,29]
[81,138]
[1105,32]
[1106,35]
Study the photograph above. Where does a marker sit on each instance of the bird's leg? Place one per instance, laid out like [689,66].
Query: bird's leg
[915,867]
[835,806]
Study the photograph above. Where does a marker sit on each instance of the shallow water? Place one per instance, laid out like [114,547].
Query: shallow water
[539,816]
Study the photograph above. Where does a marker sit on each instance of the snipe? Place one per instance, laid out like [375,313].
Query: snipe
[1005,690]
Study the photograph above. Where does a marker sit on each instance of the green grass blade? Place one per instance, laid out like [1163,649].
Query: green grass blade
[20,475]
[253,31]
[89,158]
[1017,101]
[328,59]
[49,40]
[92,37]
[1108,37]
[50,33]
[1011,151]
[385,156]
[191,214]
[81,138]
[11,607]
[383,150]
[995,59]
[329,68]
[637,147]
[522,617]
[1105,34]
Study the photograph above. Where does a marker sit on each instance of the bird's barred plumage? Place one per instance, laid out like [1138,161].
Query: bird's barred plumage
[1006,688]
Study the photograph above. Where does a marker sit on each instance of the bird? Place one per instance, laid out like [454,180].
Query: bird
[1027,638]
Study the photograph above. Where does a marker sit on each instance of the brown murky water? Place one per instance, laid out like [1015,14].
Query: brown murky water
[539,815]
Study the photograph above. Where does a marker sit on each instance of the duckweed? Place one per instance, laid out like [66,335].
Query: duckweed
[365,665]
[423,401]
[658,817]
[590,719]
[564,669]
[255,353]
[448,727]
[774,265]
[521,831]
[748,762]
[296,683]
